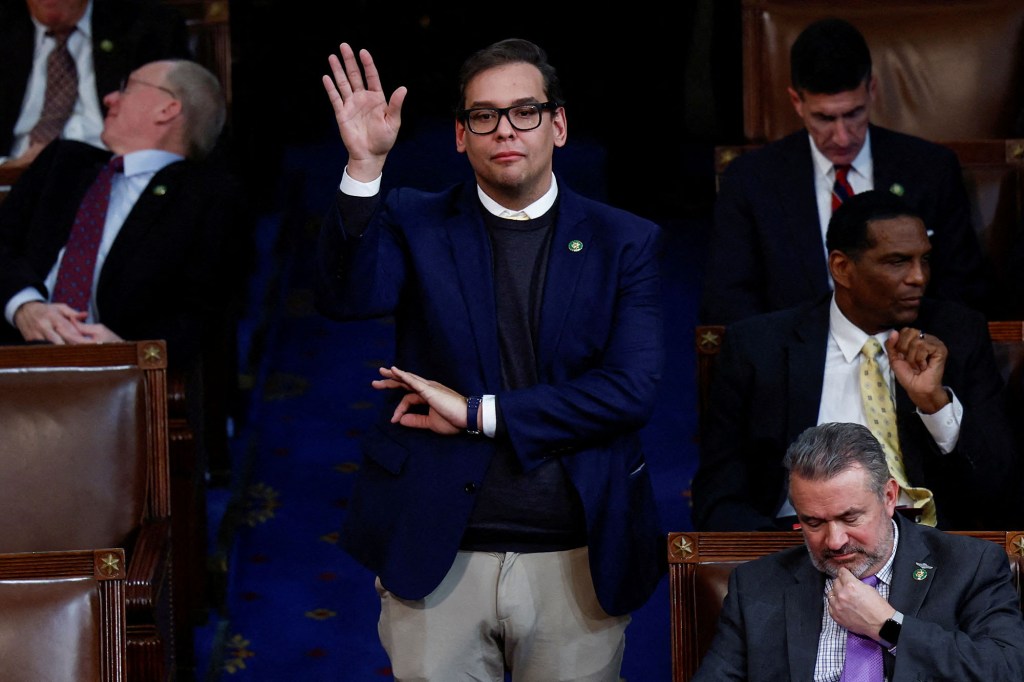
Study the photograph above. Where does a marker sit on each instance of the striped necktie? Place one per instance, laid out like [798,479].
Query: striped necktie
[841,189]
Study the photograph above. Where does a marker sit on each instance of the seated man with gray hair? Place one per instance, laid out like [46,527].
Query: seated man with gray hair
[872,596]
[132,243]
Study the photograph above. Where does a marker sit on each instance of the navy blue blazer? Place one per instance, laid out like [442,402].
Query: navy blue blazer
[962,621]
[767,390]
[168,272]
[425,259]
[125,35]
[766,250]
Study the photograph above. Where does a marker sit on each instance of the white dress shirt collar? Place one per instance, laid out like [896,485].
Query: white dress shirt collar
[534,210]
[849,337]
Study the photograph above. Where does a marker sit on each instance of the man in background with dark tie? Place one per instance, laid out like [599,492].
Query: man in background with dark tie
[920,373]
[58,58]
[96,247]
[767,248]
[880,598]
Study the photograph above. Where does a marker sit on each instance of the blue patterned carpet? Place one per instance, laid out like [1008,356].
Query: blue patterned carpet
[297,607]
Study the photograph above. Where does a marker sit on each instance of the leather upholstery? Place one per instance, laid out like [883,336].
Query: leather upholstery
[84,464]
[946,70]
[63,616]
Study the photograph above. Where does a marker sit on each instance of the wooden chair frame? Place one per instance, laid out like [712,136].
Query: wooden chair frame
[150,630]
[105,569]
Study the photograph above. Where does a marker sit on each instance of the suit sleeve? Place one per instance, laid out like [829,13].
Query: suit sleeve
[734,272]
[981,472]
[986,642]
[592,401]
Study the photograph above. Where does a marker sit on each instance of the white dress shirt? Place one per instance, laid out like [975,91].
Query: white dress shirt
[86,121]
[840,389]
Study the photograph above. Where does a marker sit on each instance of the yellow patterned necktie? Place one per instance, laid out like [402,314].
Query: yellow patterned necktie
[881,416]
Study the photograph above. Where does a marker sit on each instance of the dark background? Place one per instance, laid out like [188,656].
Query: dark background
[654,85]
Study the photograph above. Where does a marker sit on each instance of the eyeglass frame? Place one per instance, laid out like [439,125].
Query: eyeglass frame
[131,79]
[550,105]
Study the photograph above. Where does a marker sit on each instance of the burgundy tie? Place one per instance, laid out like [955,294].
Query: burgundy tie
[841,190]
[74,278]
[61,90]
[863,655]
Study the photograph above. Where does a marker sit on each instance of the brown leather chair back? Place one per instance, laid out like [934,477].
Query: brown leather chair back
[84,464]
[699,569]
[946,70]
[63,616]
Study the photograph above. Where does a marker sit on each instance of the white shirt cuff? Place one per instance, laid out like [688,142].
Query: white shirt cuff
[490,415]
[356,188]
[19,299]
[944,425]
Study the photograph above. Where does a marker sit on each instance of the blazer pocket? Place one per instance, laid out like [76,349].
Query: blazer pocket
[385,450]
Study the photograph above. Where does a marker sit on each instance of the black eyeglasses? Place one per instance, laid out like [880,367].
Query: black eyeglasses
[127,81]
[483,121]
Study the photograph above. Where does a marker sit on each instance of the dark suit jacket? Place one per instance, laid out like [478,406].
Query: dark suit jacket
[766,251]
[961,622]
[125,35]
[425,258]
[767,389]
[164,276]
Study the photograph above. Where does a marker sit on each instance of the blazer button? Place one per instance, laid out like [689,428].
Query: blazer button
[470,487]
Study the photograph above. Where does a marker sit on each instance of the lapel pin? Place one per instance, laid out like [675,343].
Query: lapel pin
[160,190]
[897,189]
[921,572]
[575,246]
[107,45]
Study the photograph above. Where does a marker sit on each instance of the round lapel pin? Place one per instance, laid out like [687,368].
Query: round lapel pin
[575,246]
[160,190]
[107,45]
[920,574]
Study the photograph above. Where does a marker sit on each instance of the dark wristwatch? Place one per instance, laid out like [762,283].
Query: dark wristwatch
[890,632]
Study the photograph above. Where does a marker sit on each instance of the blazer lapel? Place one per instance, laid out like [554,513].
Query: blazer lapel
[806,371]
[471,252]
[912,576]
[795,182]
[565,263]
[803,620]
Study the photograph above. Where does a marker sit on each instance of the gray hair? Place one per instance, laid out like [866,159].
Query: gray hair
[202,105]
[822,452]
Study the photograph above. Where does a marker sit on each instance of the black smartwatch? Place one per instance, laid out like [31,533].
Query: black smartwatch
[890,632]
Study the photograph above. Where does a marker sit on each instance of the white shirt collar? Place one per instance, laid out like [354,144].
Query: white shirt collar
[148,161]
[83,27]
[849,337]
[534,210]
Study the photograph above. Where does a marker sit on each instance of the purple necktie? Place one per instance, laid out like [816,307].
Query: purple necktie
[863,655]
[74,278]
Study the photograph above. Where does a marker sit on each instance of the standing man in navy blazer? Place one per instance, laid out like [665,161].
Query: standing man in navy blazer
[767,249]
[944,606]
[111,38]
[161,270]
[503,500]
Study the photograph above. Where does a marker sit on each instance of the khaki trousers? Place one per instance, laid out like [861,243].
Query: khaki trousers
[535,615]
